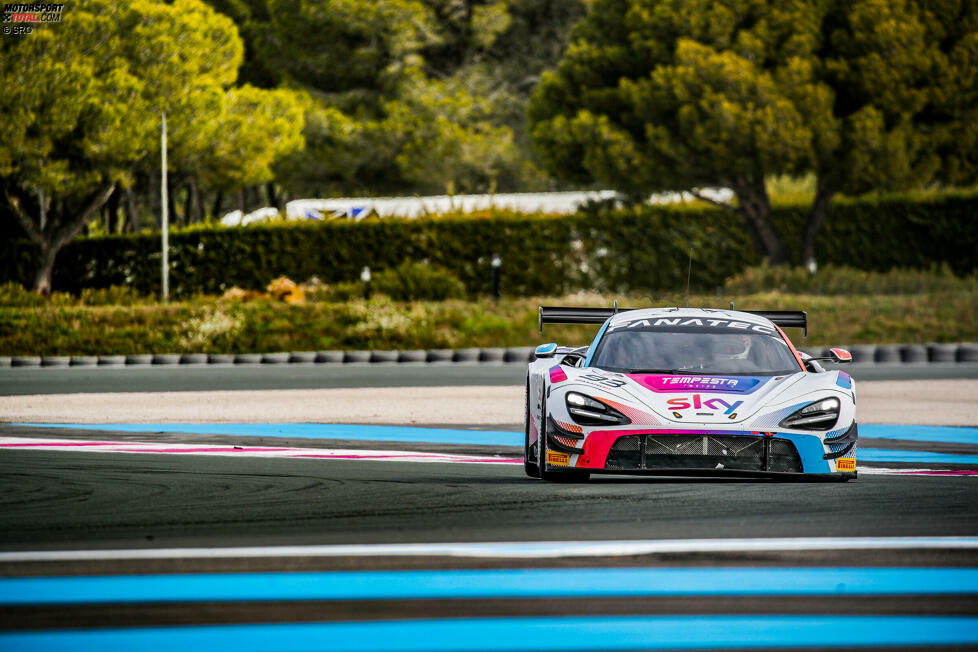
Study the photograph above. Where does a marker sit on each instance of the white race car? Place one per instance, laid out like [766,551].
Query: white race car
[687,391]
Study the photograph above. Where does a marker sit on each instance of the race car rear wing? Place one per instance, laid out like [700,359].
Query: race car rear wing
[785,318]
[563,315]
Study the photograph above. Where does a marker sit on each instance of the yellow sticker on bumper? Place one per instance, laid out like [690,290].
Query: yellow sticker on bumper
[845,464]
[558,459]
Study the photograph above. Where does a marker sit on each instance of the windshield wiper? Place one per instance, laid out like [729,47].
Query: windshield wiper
[656,371]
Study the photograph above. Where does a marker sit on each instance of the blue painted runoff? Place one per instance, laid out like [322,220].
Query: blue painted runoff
[506,583]
[809,447]
[948,434]
[952,435]
[312,431]
[547,634]
[922,457]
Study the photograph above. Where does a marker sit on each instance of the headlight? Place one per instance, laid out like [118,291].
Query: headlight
[589,412]
[820,415]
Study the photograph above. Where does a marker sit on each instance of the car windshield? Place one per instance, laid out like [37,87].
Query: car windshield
[694,350]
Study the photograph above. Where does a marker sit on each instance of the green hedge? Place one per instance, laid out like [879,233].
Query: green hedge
[634,250]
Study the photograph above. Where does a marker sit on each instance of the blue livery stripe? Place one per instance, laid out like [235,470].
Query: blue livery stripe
[810,450]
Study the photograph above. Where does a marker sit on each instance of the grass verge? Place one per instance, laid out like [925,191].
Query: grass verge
[211,325]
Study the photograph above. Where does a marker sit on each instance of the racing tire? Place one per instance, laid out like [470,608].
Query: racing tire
[529,457]
[553,476]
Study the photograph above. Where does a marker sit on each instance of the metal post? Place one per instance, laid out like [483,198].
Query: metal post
[365,277]
[497,262]
[165,222]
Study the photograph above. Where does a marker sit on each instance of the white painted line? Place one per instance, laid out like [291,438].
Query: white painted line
[509,550]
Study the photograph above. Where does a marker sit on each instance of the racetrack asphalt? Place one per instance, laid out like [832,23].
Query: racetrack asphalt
[65,380]
[58,500]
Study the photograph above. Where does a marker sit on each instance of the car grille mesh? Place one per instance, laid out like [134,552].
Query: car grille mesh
[704,452]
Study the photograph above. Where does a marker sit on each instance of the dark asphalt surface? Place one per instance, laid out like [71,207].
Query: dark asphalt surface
[68,380]
[72,500]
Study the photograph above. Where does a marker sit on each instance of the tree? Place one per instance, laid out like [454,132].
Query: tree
[84,99]
[682,94]
[75,115]
[896,72]
[255,129]
[445,139]
[406,95]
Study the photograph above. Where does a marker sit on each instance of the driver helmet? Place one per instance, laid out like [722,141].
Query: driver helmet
[736,347]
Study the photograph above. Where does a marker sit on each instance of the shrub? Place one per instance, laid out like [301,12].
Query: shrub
[114,295]
[843,280]
[316,290]
[285,289]
[419,281]
[14,294]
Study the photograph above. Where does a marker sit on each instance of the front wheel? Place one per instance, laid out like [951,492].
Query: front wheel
[553,476]
[529,456]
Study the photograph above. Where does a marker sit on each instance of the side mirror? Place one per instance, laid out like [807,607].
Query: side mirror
[576,357]
[546,350]
[838,356]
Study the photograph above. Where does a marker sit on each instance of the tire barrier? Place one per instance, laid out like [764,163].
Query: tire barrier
[356,356]
[418,355]
[466,355]
[329,357]
[863,353]
[519,354]
[492,355]
[440,355]
[967,353]
[941,352]
[383,356]
[887,355]
[913,353]
[935,353]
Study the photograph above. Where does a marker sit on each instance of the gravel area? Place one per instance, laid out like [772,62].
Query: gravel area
[932,402]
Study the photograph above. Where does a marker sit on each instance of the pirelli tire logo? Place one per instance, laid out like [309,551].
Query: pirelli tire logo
[22,18]
[845,464]
[557,459]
